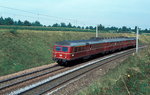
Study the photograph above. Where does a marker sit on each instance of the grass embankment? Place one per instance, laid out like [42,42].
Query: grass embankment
[24,49]
[132,77]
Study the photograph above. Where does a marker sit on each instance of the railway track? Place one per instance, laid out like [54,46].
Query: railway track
[9,84]
[39,82]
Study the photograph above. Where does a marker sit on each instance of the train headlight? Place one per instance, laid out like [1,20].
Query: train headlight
[60,55]
[72,54]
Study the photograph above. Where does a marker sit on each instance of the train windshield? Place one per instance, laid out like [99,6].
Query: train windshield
[58,48]
[65,49]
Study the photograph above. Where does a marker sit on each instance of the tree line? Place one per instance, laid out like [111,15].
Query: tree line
[10,21]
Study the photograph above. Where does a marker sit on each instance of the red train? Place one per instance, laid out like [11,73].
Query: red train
[66,51]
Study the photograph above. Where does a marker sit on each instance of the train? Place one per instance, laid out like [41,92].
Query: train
[65,52]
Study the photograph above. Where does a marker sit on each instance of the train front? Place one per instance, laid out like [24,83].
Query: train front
[61,54]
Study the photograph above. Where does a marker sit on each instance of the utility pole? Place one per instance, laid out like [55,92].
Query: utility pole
[97,31]
[137,39]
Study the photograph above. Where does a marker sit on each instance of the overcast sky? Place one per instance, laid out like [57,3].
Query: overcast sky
[81,12]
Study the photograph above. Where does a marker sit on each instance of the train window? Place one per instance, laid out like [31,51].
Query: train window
[64,49]
[96,46]
[84,48]
[58,48]
[79,48]
[75,49]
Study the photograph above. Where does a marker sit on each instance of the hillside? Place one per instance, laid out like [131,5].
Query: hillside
[23,49]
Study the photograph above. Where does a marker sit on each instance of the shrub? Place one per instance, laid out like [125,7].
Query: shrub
[13,31]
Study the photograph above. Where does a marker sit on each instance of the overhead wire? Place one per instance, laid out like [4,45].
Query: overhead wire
[45,15]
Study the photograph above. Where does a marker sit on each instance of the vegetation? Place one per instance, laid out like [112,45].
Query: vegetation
[132,77]
[10,21]
[41,28]
[63,27]
[23,49]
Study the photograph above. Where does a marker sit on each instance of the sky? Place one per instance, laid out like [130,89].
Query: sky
[118,13]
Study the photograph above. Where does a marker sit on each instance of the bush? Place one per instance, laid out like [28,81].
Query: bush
[13,31]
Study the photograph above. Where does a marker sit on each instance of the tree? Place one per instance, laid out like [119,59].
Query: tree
[113,28]
[145,31]
[86,27]
[56,25]
[101,27]
[15,23]
[124,28]
[91,27]
[27,23]
[79,27]
[1,21]
[20,22]
[36,23]
[69,25]
[82,27]
[8,21]
[63,24]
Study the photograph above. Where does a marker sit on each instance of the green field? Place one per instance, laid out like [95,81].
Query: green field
[24,49]
[42,28]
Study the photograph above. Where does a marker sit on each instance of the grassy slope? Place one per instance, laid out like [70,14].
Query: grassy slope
[132,77]
[27,48]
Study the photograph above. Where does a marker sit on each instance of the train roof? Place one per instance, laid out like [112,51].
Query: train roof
[93,41]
